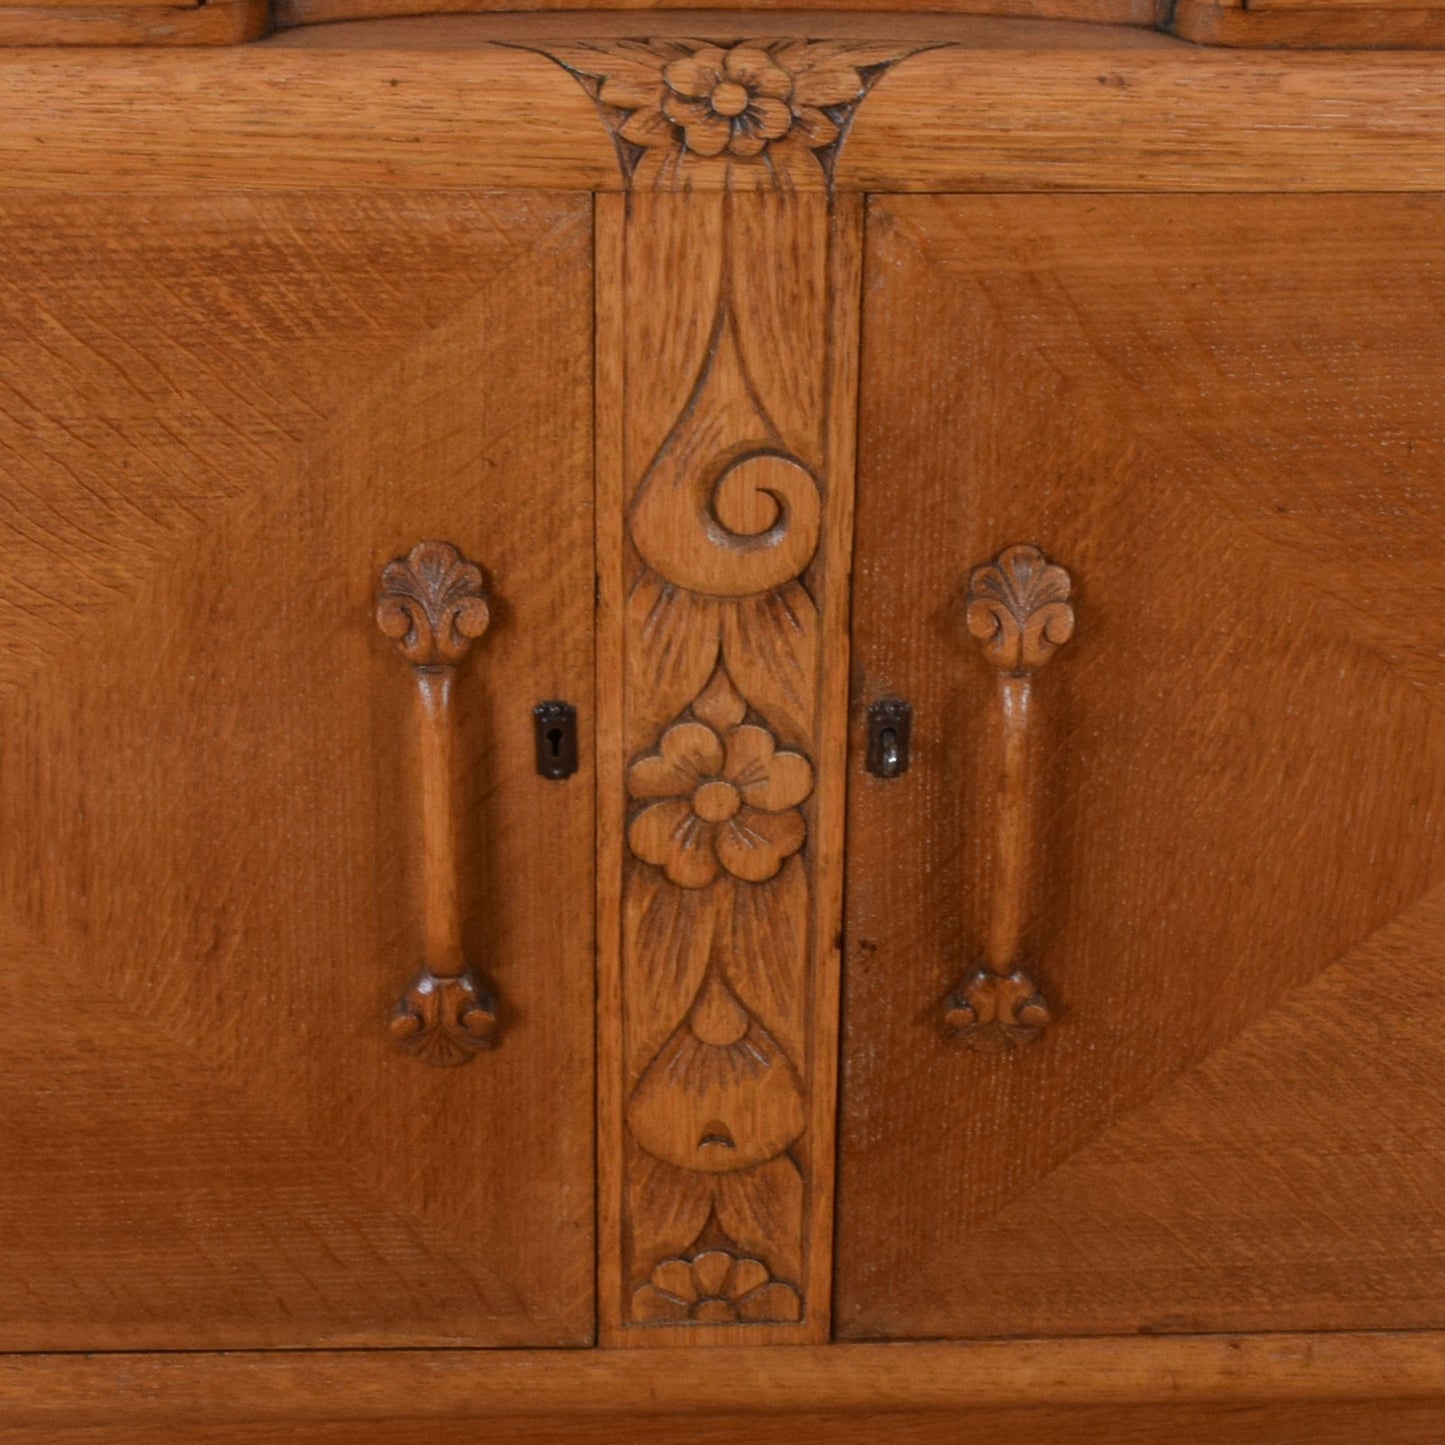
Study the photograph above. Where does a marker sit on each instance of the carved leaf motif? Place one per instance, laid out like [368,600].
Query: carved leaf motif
[743,114]
[672,933]
[673,641]
[770,646]
[762,948]
[431,601]
[669,1207]
[720,1095]
[1018,607]
[762,1211]
[667,342]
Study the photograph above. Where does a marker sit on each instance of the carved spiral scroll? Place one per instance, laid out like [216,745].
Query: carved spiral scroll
[749,528]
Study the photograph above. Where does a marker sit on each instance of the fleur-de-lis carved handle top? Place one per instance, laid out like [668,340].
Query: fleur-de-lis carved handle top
[431,602]
[1018,608]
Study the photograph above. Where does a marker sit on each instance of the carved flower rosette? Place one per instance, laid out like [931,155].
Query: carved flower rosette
[743,114]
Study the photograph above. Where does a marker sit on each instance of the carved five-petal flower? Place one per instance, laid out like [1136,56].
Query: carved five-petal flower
[715,1287]
[746,112]
[721,796]
[734,100]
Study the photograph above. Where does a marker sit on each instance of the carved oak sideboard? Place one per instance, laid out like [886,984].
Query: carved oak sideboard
[722,724]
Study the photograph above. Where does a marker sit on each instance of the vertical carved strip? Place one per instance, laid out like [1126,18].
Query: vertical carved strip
[727,347]
[1018,609]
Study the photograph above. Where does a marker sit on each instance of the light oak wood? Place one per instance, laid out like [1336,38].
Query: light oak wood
[1345,24]
[1018,610]
[955,120]
[433,605]
[219,419]
[958,118]
[268,317]
[641,13]
[1342,24]
[134,22]
[726,416]
[1389,1422]
[874,1382]
[1222,416]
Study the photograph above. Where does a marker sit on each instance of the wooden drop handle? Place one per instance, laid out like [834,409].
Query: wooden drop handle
[432,603]
[1018,609]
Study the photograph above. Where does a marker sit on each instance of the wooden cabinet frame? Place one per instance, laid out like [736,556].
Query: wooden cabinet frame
[685,337]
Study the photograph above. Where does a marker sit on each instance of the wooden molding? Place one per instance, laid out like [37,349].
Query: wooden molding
[50,1393]
[135,22]
[1316,26]
[1131,112]
[1262,24]
[726,457]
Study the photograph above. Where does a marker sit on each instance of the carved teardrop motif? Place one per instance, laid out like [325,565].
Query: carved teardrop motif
[721,1095]
[724,510]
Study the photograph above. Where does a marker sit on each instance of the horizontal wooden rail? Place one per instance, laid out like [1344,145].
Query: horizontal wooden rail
[78,1390]
[1132,112]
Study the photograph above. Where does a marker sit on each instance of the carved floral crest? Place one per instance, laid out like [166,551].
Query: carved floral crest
[746,114]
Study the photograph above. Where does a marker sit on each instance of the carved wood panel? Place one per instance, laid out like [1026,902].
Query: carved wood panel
[726,391]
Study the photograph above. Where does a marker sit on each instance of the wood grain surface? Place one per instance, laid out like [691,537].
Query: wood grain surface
[991,110]
[1345,24]
[219,418]
[1223,417]
[1384,1422]
[1233,1379]
[1266,23]
[1121,12]
[726,424]
[133,22]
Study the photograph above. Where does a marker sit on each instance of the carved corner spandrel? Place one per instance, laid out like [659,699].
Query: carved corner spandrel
[735,114]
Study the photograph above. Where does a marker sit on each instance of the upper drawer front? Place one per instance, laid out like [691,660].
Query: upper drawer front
[1223,417]
[219,420]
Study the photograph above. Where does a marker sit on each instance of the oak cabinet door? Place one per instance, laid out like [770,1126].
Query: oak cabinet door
[220,417]
[1224,417]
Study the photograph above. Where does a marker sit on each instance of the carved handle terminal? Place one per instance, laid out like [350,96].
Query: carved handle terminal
[431,602]
[1018,609]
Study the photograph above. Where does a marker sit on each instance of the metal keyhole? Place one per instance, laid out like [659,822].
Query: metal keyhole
[890,722]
